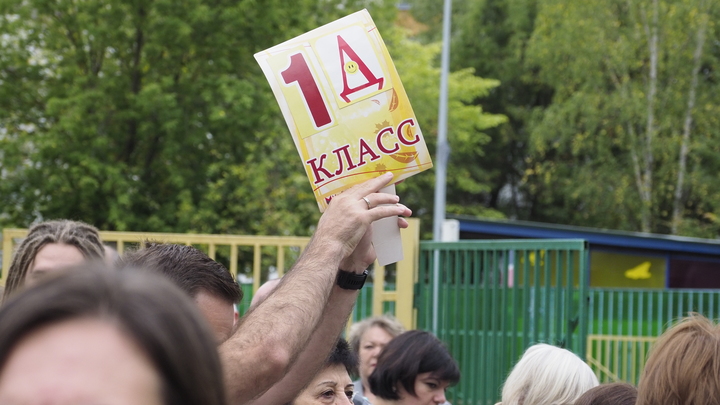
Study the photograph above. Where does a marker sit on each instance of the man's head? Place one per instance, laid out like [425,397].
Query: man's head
[208,282]
[51,246]
[264,291]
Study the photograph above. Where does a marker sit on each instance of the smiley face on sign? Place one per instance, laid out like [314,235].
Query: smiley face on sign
[351,67]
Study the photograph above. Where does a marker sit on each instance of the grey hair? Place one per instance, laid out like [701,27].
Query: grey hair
[547,375]
[388,323]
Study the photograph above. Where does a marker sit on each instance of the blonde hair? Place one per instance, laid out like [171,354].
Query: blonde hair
[388,323]
[683,366]
[547,375]
[79,234]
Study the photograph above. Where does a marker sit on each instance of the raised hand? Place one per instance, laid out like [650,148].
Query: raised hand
[347,219]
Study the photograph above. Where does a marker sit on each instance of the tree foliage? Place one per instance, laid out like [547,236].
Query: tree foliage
[466,179]
[612,107]
[151,115]
[607,151]
[154,116]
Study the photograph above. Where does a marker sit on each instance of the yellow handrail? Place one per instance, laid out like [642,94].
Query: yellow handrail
[618,358]
[406,269]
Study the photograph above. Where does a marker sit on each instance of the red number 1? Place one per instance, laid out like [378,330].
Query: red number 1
[299,72]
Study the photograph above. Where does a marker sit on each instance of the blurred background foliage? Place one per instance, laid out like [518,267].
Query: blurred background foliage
[154,116]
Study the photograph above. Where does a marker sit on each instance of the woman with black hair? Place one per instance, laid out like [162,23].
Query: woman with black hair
[332,384]
[415,368]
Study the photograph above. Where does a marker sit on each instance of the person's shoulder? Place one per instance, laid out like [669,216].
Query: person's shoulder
[360,400]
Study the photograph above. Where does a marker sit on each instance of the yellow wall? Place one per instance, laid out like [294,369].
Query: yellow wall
[609,269]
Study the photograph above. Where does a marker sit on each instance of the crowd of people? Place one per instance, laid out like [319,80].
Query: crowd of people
[80,325]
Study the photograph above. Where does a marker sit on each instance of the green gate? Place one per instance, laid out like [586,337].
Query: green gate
[493,299]
[623,324]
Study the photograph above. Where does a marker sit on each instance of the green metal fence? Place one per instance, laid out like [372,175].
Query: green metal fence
[644,312]
[623,323]
[493,299]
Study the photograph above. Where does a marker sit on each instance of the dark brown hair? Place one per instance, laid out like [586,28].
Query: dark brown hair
[79,234]
[412,353]
[188,267]
[683,366]
[342,354]
[161,319]
[609,394]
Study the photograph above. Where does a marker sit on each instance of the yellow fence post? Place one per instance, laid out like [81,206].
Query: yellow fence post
[212,241]
[407,268]
[7,255]
[406,276]
[407,273]
[378,298]
[618,358]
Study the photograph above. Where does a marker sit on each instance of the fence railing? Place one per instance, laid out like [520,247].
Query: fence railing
[495,298]
[623,324]
[618,358]
[646,312]
[256,257]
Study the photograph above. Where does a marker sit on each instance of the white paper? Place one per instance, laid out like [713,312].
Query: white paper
[386,236]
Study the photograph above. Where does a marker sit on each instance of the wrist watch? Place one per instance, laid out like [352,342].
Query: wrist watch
[351,281]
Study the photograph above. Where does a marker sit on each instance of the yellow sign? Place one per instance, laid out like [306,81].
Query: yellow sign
[346,108]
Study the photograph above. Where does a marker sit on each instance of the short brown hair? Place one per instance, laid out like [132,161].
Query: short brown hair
[405,357]
[78,234]
[189,268]
[683,366]
[609,394]
[159,317]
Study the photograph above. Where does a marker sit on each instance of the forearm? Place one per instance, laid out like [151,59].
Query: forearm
[270,337]
[313,356]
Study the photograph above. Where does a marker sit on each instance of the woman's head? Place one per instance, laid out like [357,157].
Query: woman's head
[332,384]
[683,366]
[369,337]
[95,335]
[547,375]
[415,364]
[50,246]
[609,394]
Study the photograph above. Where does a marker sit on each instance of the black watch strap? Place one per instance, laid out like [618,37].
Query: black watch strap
[351,281]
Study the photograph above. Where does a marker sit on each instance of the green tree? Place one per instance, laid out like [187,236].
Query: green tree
[490,36]
[136,115]
[466,179]
[630,139]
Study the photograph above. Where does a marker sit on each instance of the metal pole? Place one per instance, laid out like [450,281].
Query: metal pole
[443,152]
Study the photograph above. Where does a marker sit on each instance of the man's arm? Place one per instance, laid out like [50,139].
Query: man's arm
[322,341]
[270,337]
